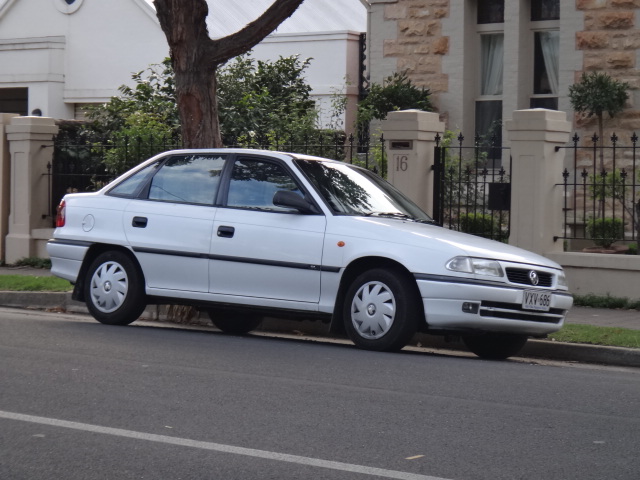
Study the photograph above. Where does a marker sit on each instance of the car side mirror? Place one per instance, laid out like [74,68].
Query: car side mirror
[288,199]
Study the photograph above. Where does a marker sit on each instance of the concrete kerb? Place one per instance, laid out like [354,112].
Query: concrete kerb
[540,349]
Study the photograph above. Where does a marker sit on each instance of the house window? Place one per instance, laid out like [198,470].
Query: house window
[545,10]
[68,6]
[490,11]
[492,63]
[14,100]
[546,45]
[489,122]
[488,118]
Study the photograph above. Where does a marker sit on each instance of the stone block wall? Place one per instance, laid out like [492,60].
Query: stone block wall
[610,43]
[419,44]
[607,39]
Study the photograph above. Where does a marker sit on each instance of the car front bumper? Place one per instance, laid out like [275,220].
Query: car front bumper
[457,306]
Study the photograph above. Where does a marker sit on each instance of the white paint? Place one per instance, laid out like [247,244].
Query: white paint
[218,447]
[68,56]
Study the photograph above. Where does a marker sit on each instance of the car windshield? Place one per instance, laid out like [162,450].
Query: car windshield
[350,190]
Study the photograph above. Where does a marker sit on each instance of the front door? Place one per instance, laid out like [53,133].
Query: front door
[260,250]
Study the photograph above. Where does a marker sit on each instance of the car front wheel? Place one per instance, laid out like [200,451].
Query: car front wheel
[495,346]
[381,310]
[114,289]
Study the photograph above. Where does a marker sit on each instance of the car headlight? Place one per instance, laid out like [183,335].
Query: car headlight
[562,280]
[479,266]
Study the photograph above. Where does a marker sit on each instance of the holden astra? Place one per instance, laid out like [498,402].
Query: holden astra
[244,234]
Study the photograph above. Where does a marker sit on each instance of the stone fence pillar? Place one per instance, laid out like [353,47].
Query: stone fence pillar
[5,180]
[410,136]
[536,201]
[31,147]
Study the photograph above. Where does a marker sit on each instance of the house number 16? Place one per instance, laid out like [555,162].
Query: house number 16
[402,162]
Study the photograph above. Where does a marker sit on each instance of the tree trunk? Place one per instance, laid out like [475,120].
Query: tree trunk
[601,132]
[198,108]
[195,58]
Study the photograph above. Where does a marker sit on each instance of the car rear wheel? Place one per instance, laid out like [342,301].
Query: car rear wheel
[114,289]
[233,322]
[495,346]
[381,310]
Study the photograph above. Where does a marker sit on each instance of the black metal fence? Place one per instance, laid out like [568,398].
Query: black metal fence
[82,165]
[602,192]
[85,165]
[472,189]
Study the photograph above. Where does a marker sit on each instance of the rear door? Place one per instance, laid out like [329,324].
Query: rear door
[169,225]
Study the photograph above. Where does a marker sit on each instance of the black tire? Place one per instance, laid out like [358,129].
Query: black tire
[381,310]
[114,289]
[495,346]
[234,323]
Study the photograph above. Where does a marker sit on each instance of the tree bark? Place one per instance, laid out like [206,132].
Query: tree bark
[195,58]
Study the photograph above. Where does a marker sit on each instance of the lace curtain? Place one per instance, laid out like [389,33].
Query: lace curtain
[550,43]
[492,58]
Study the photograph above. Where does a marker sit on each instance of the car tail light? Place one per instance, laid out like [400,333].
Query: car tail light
[61,214]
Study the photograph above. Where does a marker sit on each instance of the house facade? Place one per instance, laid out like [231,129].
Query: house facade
[58,55]
[484,59]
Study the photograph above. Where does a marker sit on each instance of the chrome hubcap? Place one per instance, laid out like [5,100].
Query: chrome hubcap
[373,310]
[109,287]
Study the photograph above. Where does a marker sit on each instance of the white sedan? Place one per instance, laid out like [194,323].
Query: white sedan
[247,233]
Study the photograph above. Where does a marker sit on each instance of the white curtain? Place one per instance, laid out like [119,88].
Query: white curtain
[492,58]
[550,43]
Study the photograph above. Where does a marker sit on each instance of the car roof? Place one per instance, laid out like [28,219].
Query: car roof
[246,151]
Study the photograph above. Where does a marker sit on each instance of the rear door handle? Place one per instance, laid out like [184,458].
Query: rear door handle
[226,232]
[139,222]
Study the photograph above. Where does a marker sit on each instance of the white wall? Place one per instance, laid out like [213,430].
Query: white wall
[84,56]
[334,68]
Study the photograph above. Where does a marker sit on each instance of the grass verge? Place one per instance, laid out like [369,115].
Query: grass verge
[28,283]
[605,301]
[570,333]
[607,336]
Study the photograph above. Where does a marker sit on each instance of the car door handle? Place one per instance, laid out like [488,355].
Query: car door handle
[226,232]
[139,222]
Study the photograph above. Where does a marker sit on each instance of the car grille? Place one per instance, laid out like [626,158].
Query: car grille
[511,311]
[521,276]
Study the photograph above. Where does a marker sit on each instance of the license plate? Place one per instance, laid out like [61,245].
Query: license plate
[536,300]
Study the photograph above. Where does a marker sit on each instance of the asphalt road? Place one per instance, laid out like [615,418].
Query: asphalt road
[80,400]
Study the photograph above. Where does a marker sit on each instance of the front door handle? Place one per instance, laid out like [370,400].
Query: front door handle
[226,232]
[139,222]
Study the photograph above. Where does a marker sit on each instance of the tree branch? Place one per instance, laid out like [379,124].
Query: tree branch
[185,29]
[223,49]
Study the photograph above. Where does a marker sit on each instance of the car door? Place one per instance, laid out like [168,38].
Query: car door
[260,250]
[169,225]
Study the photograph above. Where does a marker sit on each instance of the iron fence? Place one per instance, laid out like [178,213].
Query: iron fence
[472,189]
[85,165]
[602,192]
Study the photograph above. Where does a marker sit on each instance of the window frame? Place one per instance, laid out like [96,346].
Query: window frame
[536,27]
[225,185]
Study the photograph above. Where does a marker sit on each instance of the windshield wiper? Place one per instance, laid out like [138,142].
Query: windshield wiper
[401,216]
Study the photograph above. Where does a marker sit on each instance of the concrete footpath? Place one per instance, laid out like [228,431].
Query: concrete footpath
[544,349]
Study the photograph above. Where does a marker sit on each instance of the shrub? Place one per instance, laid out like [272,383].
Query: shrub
[481,224]
[34,262]
[605,231]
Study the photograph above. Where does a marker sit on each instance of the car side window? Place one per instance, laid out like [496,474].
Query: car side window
[132,185]
[254,182]
[188,179]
